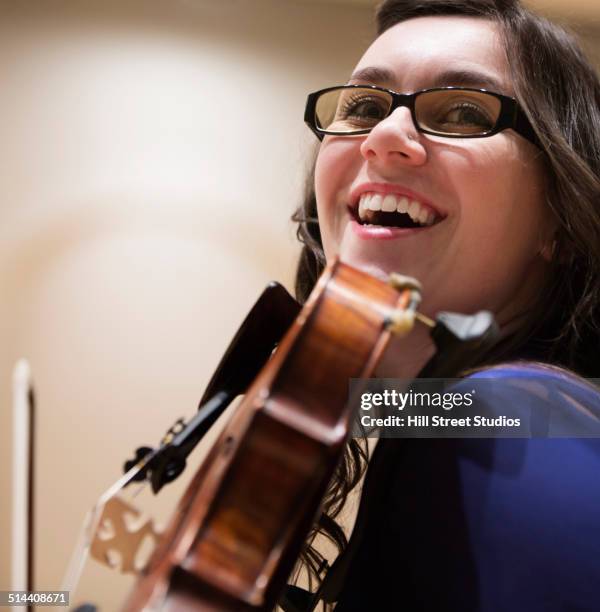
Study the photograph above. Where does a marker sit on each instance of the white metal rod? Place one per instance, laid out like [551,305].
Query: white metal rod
[20,480]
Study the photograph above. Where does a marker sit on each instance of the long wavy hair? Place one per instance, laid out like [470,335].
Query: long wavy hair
[559,91]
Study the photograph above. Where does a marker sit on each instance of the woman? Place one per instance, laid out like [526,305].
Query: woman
[491,200]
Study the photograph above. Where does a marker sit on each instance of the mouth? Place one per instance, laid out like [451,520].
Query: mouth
[393,211]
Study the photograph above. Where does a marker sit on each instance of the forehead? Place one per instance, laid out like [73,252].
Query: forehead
[430,51]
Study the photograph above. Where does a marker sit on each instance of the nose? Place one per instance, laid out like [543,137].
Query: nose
[394,140]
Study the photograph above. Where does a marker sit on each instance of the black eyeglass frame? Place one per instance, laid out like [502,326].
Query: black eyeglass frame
[511,115]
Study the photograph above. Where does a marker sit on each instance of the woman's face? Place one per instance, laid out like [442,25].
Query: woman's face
[485,195]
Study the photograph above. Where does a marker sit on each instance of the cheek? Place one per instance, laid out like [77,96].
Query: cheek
[324,178]
[336,167]
[503,218]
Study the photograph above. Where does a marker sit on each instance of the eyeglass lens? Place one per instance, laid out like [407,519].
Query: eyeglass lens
[445,112]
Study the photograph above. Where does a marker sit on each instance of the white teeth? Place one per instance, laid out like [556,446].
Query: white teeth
[362,207]
[375,202]
[389,203]
[402,205]
[392,202]
[414,208]
[423,214]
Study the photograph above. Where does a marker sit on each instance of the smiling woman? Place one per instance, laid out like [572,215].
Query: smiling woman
[480,193]
[461,152]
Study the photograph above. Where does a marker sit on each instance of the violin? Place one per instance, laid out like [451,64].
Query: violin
[236,534]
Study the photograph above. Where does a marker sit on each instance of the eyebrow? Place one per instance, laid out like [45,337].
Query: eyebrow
[468,78]
[459,77]
[373,74]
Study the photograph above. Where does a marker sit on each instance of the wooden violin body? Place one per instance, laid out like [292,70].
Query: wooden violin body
[244,518]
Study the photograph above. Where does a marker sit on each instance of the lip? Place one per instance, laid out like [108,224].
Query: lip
[382,232]
[385,188]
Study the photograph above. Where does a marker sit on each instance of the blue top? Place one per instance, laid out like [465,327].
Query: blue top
[488,525]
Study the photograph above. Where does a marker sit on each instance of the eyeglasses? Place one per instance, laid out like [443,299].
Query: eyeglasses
[451,112]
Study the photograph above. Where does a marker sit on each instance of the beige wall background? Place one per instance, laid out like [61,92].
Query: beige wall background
[151,153]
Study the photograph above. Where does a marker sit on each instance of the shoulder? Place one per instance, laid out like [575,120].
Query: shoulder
[526,499]
[537,389]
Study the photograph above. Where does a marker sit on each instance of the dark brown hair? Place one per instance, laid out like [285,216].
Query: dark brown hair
[560,92]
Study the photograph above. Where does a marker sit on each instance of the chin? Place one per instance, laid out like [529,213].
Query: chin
[378,270]
[381,268]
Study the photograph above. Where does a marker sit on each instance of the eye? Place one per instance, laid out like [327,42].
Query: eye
[362,108]
[465,115]
[458,112]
